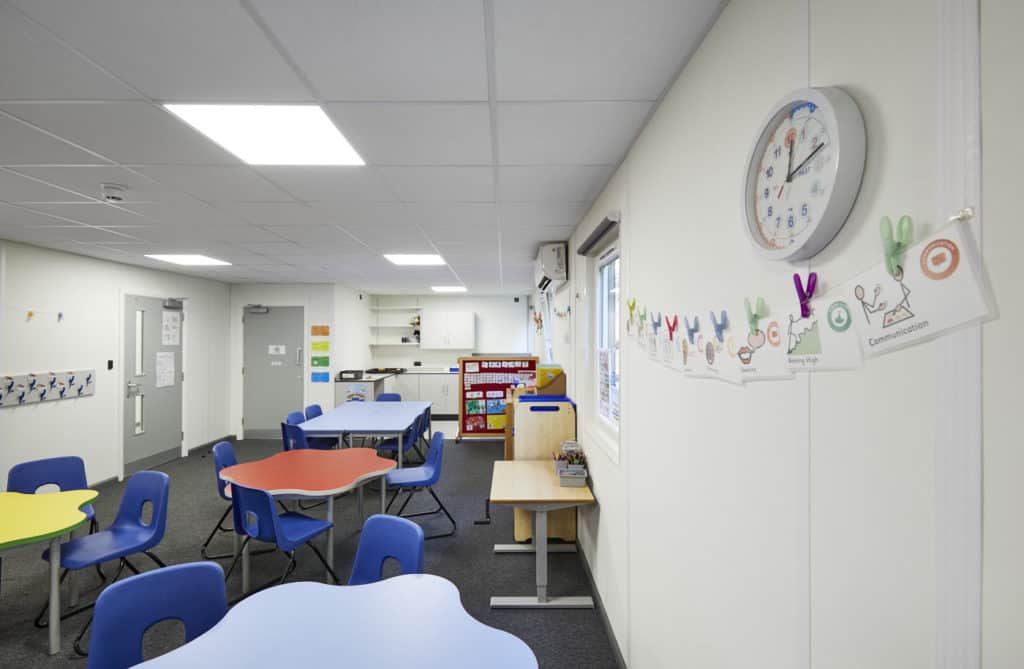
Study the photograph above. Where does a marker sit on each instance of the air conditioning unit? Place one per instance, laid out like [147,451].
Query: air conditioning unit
[552,267]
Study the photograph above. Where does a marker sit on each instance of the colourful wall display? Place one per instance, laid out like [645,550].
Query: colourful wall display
[482,385]
[22,389]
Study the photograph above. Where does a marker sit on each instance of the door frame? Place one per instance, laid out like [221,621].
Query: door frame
[121,369]
[240,313]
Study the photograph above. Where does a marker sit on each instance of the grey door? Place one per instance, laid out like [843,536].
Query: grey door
[153,330]
[272,368]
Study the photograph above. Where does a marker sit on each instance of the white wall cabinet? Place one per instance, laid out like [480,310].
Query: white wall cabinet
[448,329]
[442,391]
[408,386]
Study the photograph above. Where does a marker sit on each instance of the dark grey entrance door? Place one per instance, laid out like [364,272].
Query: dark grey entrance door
[273,367]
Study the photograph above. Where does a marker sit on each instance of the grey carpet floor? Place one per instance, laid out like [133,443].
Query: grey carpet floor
[559,638]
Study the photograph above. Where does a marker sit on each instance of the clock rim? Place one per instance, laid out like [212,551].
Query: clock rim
[845,116]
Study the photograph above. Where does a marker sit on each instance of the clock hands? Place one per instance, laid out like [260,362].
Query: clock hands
[789,177]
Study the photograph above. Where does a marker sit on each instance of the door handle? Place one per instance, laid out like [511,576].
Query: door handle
[298,356]
[133,389]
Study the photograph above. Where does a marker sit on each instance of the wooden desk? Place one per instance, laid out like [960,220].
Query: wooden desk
[532,485]
[26,519]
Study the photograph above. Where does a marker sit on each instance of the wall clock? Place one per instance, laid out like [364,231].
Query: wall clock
[803,173]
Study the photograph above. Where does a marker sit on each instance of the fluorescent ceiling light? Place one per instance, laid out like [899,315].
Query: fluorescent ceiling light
[448,289]
[271,134]
[414,258]
[188,259]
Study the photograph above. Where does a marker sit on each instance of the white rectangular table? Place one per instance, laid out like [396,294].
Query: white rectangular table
[533,485]
[381,419]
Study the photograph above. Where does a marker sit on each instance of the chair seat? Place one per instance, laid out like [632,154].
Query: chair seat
[297,529]
[110,544]
[411,477]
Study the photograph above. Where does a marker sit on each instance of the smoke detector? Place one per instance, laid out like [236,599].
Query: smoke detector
[113,193]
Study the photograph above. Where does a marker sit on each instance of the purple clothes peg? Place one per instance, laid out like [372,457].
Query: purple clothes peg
[691,330]
[805,294]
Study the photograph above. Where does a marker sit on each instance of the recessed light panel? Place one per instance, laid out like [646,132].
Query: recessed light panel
[448,289]
[271,134]
[189,259]
[414,258]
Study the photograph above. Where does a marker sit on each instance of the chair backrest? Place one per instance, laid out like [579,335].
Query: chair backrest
[255,513]
[294,418]
[389,397]
[67,473]
[386,537]
[192,593]
[292,436]
[223,456]
[432,465]
[313,410]
[145,487]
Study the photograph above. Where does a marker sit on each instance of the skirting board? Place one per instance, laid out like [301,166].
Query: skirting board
[599,605]
[230,437]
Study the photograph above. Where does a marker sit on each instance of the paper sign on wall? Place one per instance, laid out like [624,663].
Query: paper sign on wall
[320,377]
[938,287]
[825,339]
[164,369]
[170,330]
[320,361]
[319,330]
[320,346]
[276,349]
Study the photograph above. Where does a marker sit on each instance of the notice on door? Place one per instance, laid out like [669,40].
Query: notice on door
[164,369]
[277,349]
[170,331]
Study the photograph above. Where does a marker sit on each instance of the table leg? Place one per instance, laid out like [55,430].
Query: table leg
[54,595]
[540,539]
[234,543]
[399,450]
[330,536]
[383,494]
[359,502]
[245,567]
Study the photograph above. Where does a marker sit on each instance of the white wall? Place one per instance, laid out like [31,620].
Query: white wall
[501,327]
[317,301]
[90,293]
[792,524]
[1003,143]
[352,318]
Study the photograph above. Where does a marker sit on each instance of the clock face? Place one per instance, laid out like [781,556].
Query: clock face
[804,173]
[794,176]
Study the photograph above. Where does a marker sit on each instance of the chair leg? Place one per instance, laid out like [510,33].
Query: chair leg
[311,506]
[219,527]
[289,568]
[406,502]
[320,557]
[440,509]
[445,511]
[88,623]
[393,498]
[154,558]
[238,556]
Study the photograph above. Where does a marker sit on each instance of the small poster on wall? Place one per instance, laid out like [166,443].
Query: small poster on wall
[824,339]
[170,330]
[938,287]
[164,369]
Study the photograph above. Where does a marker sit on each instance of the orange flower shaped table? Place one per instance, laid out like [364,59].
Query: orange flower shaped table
[311,473]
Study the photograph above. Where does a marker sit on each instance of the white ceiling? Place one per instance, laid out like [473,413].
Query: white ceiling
[487,126]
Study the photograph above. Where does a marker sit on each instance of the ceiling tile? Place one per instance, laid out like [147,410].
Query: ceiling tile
[417,133]
[84,233]
[21,144]
[568,133]
[185,211]
[86,180]
[184,234]
[585,50]
[126,132]
[321,237]
[552,183]
[534,214]
[363,213]
[274,248]
[23,216]
[430,215]
[276,213]
[392,238]
[46,69]
[440,184]
[175,51]
[384,51]
[17,188]
[215,182]
[331,184]
[94,213]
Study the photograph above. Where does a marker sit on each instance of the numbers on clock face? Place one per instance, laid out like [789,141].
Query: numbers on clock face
[795,176]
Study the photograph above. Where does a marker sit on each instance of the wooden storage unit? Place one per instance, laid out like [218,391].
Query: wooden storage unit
[540,429]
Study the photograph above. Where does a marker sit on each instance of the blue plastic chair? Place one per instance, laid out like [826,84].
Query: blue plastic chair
[409,438]
[293,437]
[389,397]
[223,456]
[256,518]
[312,411]
[67,473]
[192,593]
[386,537]
[424,477]
[129,534]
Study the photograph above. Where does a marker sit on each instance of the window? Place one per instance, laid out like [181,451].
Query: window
[607,329]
